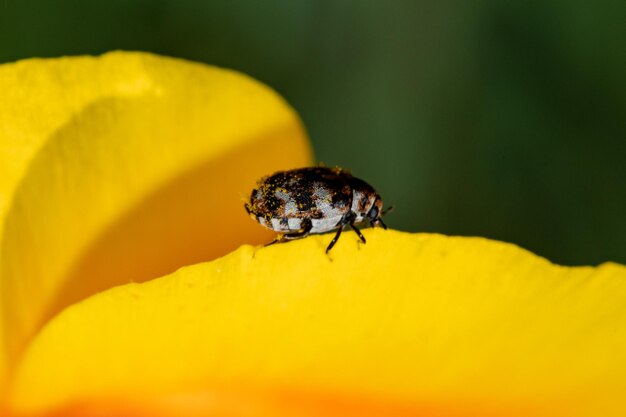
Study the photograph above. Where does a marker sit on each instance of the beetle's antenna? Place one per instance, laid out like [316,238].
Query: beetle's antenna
[388,210]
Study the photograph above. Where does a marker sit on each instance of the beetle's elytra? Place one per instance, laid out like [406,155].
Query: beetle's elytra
[303,201]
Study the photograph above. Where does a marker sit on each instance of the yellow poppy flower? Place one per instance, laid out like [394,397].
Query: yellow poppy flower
[125,167]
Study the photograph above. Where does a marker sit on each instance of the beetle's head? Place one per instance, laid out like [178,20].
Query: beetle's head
[376,212]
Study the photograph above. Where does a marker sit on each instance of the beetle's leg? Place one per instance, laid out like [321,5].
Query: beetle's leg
[306,227]
[332,242]
[378,222]
[277,239]
[358,232]
[348,218]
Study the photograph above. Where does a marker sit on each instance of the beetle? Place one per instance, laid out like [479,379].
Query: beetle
[313,200]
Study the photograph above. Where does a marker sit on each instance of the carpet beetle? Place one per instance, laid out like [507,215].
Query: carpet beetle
[305,201]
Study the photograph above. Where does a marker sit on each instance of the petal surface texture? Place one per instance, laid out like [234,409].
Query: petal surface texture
[123,168]
[412,324]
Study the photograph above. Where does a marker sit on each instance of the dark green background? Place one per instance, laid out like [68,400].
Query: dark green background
[504,119]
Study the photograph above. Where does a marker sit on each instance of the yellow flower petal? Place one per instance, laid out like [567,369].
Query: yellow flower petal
[419,321]
[122,168]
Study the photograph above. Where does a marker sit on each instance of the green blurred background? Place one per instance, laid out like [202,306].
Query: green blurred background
[504,119]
